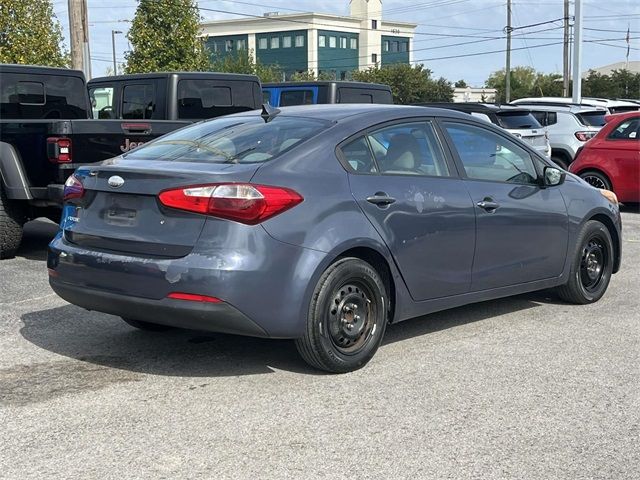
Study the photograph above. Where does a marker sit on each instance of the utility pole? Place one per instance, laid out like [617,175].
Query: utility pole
[577,54]
[76,28]
[79,33]
[565,52]
[113,47]
[507,70]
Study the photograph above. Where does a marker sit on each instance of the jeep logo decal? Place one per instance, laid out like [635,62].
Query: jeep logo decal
[129,145]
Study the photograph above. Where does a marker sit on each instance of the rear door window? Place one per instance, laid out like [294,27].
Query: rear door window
[627,130]
[354,95]
[138,101]
[103,102]
[198,99]
[42,97]
[31,93]
[296,97]
[592,119]
[517,121]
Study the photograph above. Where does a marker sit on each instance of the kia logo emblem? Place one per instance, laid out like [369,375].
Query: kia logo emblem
[115,181]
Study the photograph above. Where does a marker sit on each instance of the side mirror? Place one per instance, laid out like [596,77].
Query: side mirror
[553,176]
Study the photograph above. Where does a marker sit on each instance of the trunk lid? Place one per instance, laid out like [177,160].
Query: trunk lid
[124,214]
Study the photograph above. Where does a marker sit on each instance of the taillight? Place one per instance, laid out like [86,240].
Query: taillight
[192,297]
[72,188]
[241,202]
[584,136]
[59,150]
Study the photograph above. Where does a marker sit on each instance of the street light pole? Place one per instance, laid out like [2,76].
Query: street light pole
[113,47]
[507,70]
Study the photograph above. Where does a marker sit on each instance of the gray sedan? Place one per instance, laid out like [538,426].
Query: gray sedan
[325,223]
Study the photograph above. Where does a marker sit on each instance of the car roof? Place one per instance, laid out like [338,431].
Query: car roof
[621,116]
[569,107]
[37,69]
[340,111]
[475,107]
[362,85]
[182,75]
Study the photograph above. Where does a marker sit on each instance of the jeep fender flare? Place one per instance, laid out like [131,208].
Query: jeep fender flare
[14,180]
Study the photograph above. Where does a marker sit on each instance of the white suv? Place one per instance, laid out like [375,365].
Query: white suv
[568,127]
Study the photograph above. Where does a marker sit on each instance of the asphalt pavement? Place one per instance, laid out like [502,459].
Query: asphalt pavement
[527,387]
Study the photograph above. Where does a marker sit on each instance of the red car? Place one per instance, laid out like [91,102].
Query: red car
[611,159]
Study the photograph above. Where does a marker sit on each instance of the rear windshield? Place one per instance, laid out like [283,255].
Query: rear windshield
[231,140]
[517,120]
[592,119]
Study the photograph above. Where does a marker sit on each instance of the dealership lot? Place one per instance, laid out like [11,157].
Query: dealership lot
[524,387]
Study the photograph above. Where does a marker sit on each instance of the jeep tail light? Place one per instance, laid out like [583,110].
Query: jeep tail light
[241,202]
[72,188]
[584,136]
[59,149]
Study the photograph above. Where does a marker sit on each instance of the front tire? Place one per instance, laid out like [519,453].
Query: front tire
[596,179]
[591,267]
[347,317]
[146,326]
[12,218]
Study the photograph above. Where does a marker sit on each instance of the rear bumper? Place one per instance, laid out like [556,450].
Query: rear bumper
[210,317]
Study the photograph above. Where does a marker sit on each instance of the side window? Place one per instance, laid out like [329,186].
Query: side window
[541,117]
[358,155]
[627,130]
[354,95]
[296,97]
[102,102]
[199,99]
[138,101]
[31,93]
[552,118]
[410,149]
[486,155]
[266,96]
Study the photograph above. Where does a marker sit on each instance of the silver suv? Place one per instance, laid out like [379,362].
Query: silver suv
[568,127]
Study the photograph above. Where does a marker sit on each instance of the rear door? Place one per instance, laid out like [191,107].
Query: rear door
[623,144]
[522,229]
[402,181]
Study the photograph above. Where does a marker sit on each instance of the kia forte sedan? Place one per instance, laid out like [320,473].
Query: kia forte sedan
[324,224]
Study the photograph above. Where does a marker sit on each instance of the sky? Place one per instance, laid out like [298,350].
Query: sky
[478,24]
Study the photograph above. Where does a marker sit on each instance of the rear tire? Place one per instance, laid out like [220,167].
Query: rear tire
[146,326]
[591,267]
[347,317]
[596,179]
[12,218]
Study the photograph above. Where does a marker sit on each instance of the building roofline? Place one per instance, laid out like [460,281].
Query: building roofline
[283,18]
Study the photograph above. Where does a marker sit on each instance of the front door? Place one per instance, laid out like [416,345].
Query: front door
[405,187]
[522,228]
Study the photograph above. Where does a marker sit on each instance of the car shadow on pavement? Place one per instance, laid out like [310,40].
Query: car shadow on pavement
[107,341]
[630,208]
[35,238]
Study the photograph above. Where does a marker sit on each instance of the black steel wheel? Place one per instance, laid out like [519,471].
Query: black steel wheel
[347,317]
[596,179]
[592,265]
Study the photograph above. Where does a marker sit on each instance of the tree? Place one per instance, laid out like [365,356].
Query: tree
[409,84]
[30,33]
[242,62]
[619,84]
[164,37]
[461,84]
[522,83]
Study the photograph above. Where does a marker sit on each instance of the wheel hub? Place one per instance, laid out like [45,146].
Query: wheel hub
[350,316]
[592,264]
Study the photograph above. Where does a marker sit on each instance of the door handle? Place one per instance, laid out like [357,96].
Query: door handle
[488,205]
[381,199]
